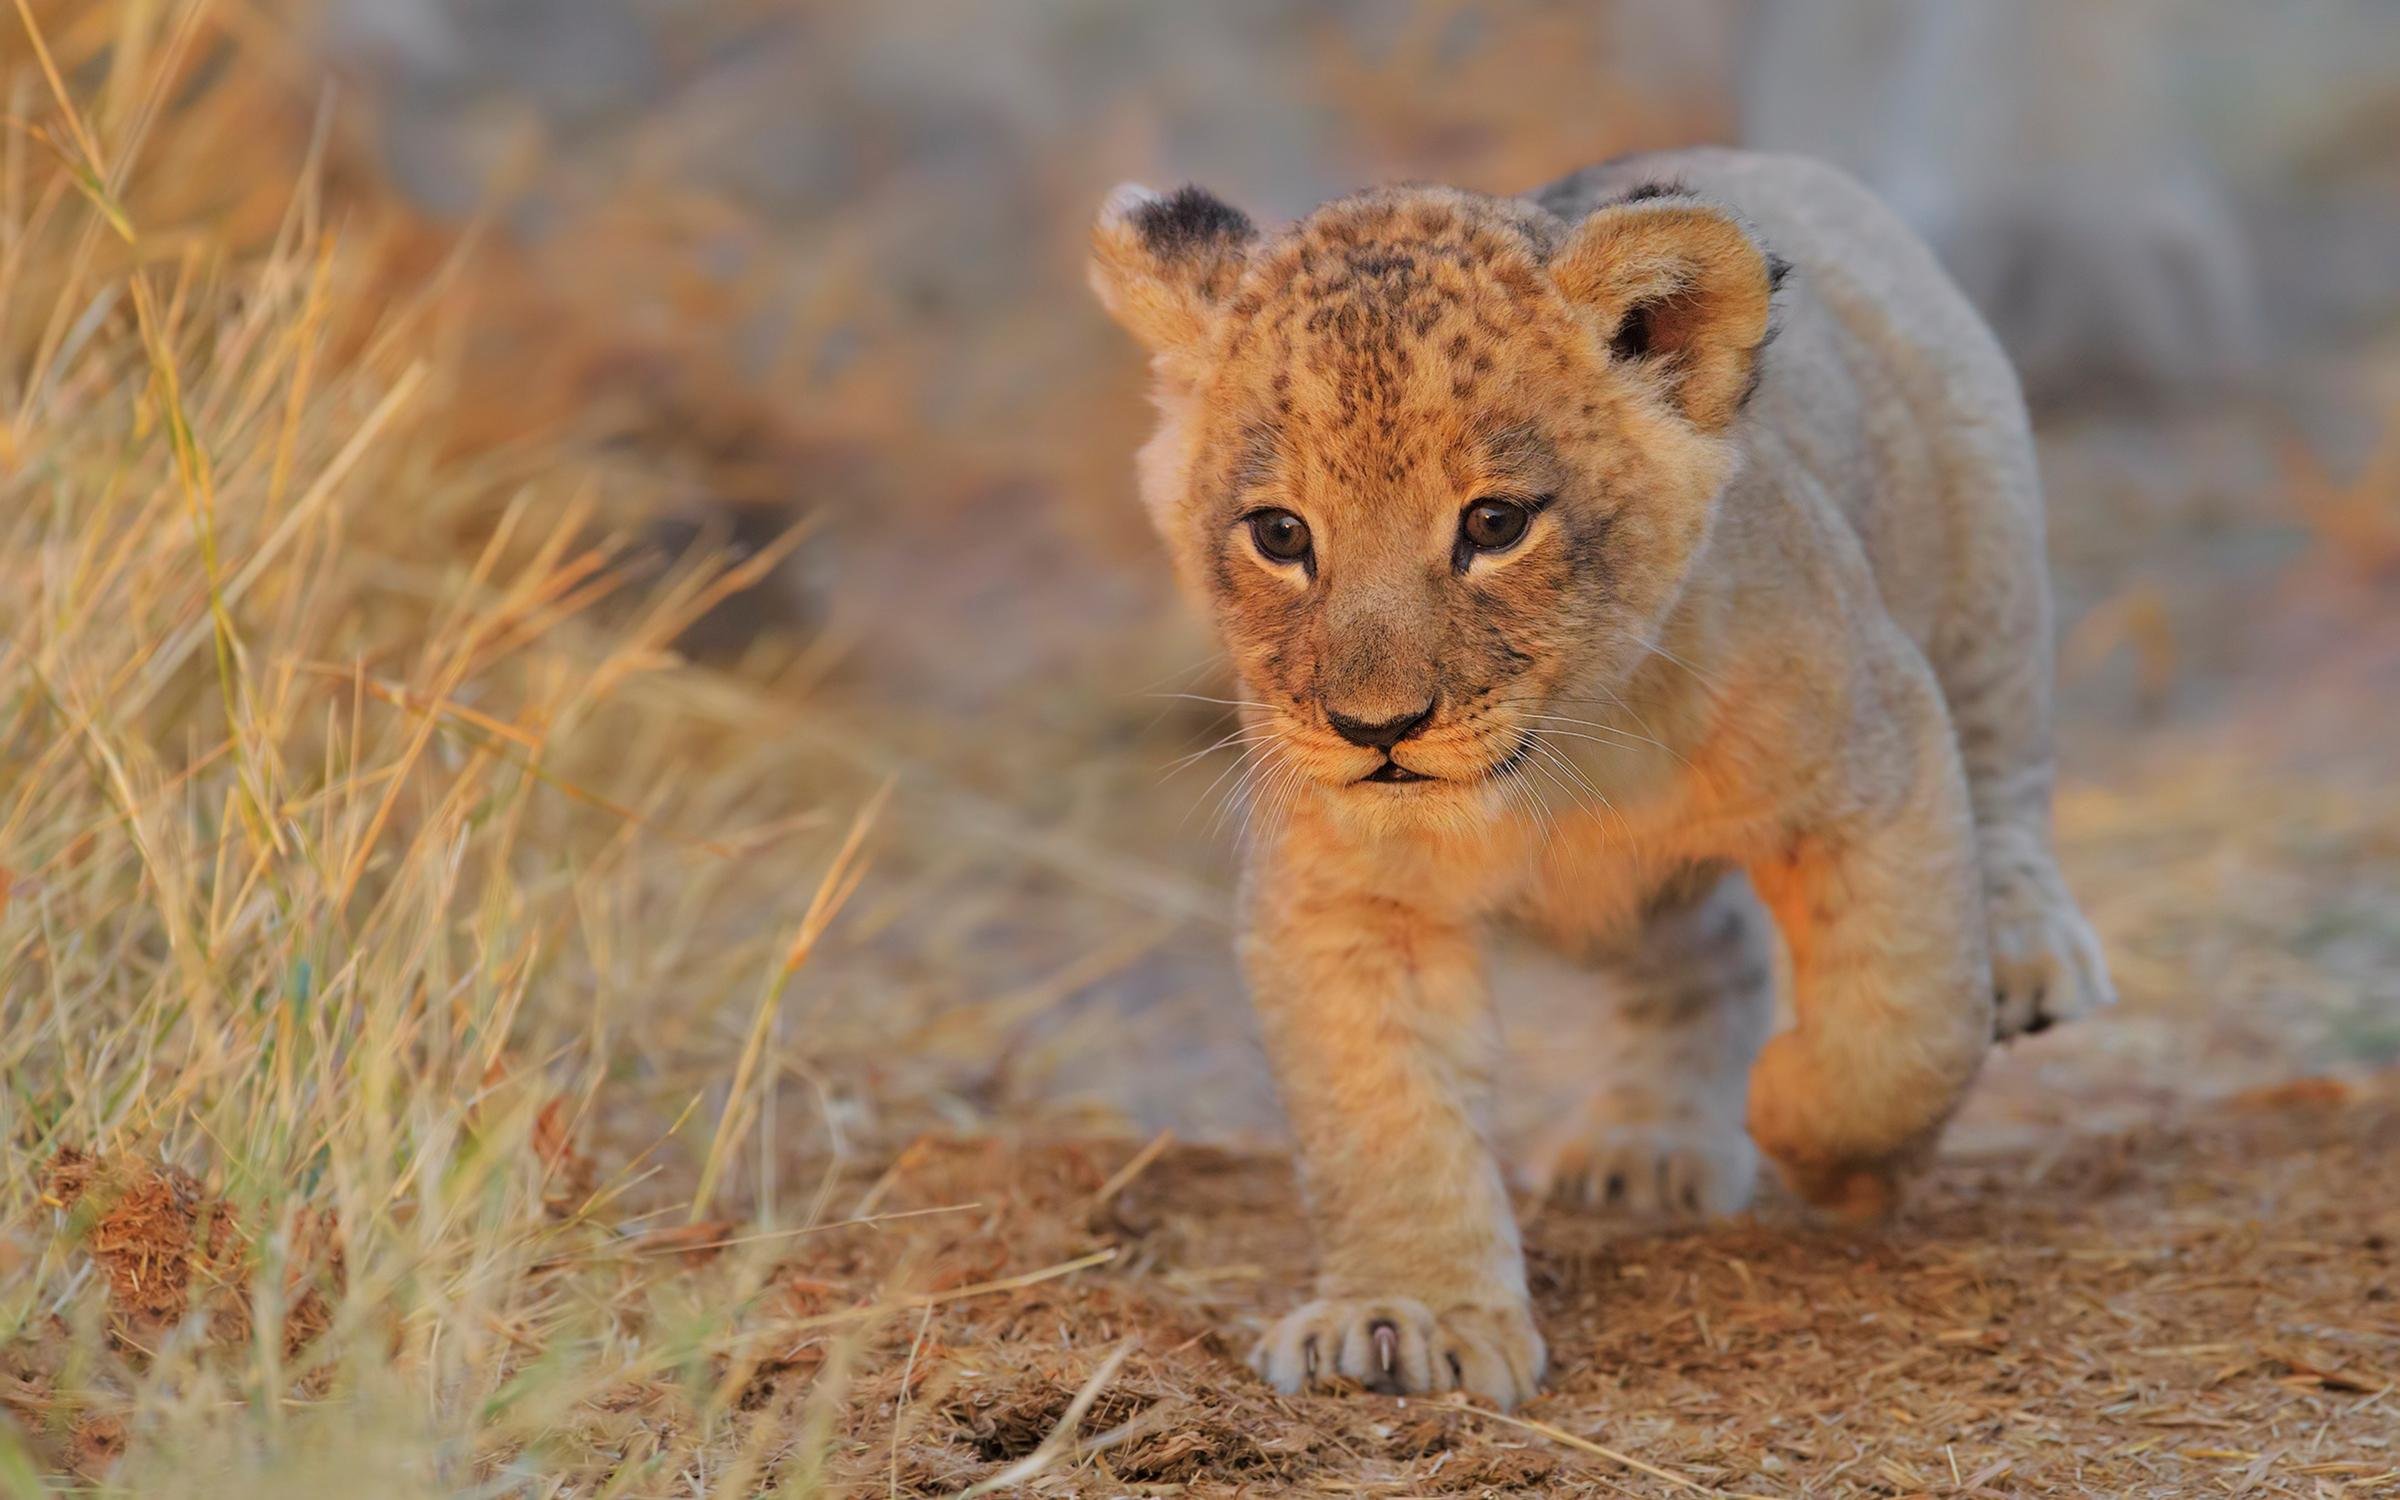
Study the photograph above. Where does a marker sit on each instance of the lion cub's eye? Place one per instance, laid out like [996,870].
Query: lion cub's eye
[1280,535]
[1492,525]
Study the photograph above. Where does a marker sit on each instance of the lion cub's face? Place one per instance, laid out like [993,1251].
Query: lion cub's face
[1434,462]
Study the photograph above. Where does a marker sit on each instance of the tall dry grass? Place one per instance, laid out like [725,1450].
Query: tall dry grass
[367,856]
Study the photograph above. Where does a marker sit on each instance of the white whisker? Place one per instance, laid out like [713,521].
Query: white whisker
[1657,650]
[1538,794]
[1276,800]
[1541,712]
[1247,789]
[1615,739]
[1611,700]
[1180,675]
[1536,807]
[1567,764]
[1271,796]
[1220,702]
[1234,770]
[1239,737]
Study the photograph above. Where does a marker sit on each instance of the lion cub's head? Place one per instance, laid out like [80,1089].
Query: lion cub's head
[1431,459]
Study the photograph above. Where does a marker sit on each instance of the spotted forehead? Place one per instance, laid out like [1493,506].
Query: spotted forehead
[1363,278]
[1377,312]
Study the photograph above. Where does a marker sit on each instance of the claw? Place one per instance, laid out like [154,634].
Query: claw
[1387,1345]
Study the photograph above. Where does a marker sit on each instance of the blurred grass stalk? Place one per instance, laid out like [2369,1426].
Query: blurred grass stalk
[332,843]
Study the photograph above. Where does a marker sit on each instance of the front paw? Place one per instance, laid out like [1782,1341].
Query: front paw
[1400,1347]
[1845,1139]
[1678,1169]
[2046,961]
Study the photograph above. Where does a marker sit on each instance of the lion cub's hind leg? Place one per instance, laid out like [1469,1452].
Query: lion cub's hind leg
[2046,961]
[1994,666]
[1688,997]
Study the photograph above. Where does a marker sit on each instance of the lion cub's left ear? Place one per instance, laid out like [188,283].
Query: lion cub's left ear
[1679,282]
[1164,266]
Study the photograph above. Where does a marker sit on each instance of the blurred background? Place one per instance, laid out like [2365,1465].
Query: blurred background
[823,262]
[524,516]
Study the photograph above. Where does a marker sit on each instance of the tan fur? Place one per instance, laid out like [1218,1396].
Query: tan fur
[1776,641]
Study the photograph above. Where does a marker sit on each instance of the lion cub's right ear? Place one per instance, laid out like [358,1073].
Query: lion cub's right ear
[1164,266]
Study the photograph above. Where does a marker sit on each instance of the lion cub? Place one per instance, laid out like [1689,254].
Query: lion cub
[1558,596]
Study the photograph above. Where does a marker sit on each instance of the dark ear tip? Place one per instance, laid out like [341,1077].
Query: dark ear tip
[1189,219]
[1649,190]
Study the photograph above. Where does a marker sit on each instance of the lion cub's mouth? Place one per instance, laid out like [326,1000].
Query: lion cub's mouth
[1392,773]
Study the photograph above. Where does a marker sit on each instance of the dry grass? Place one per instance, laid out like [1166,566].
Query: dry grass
[452,1046]
[352,854]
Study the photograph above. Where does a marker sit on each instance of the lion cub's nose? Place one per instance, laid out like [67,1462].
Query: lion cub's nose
[1378,736]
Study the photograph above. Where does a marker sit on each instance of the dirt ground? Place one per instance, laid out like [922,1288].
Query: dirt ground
[2202,1305]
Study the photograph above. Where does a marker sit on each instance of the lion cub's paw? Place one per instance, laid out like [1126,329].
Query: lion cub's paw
[2046,962]
[1400,1347]
[1846,1144]
[1679,1169]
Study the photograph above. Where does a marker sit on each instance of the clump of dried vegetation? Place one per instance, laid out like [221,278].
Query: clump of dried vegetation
[409,981]
[358,848]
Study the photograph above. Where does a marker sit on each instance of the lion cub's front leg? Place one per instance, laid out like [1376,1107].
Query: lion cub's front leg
[1378,1024]
[1881,904]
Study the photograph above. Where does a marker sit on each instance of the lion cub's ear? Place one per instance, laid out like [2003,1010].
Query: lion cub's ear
[1677,282]
[1163,266]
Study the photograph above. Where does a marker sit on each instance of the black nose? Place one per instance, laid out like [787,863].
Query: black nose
[1381,736]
